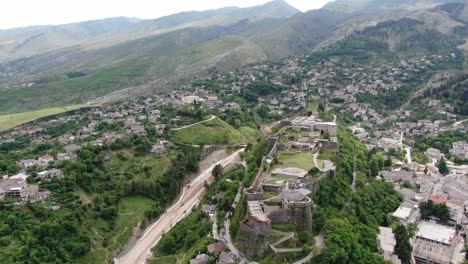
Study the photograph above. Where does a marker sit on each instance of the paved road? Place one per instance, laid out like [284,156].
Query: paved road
[189,198]
[194,124]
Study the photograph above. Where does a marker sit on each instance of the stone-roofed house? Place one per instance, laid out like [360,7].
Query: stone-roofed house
[45,160]
[407,213]
[227,258]
[200,259]
[50,174]
[460,150]
[26,164]
[397,176]
[387,242]
[434,154]
[158,149]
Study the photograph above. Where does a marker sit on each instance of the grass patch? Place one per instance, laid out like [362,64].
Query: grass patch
[268,195]
[275,179]
[13,120]
[325,154]
[313,104]
[251,134]
[214,132]
[131,214]
[300,160]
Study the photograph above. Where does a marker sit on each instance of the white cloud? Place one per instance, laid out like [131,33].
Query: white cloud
[16,13]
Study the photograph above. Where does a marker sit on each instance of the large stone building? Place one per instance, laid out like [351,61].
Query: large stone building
[310,123]
[299,208]
[257,222]
[434,243]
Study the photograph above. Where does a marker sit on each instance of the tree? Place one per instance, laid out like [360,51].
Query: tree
[314,171]
[167,245]
[388,162]
[218,171]
[403,247]
[442,165]
[430,209]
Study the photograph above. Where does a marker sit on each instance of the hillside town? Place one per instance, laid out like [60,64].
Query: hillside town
[303,151]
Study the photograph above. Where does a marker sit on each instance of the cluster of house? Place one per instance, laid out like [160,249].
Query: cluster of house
[289,100]
[434,242]
[17,188]
[41,162]
[369,80]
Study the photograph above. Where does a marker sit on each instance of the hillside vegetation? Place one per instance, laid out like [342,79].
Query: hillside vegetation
[213,132]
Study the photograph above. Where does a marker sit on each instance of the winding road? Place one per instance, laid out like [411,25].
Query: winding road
[191,194]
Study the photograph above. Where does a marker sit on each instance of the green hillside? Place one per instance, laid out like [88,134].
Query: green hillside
[213,132]
[13,120]
[159,58]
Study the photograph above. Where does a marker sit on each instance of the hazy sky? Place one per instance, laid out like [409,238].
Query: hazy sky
[19,13]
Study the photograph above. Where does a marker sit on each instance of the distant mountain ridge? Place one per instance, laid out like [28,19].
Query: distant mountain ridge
[363,6]
[29,41]
[165,53]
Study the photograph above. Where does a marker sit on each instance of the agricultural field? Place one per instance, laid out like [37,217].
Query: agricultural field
[13,120]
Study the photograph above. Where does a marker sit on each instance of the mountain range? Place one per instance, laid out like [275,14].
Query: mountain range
[108,59]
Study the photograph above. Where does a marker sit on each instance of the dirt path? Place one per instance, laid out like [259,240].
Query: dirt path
[194,124]
[459,122]
[190,197]
[268,128]
[319,244]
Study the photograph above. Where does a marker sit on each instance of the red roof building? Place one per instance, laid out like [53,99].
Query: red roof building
[216,248]
[437,199]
